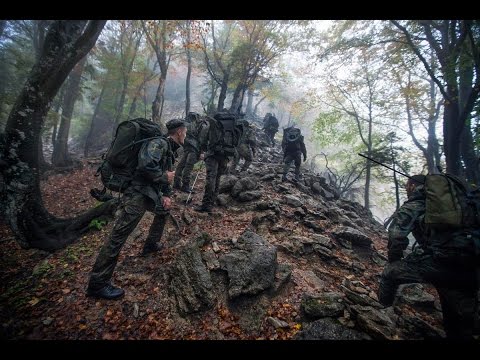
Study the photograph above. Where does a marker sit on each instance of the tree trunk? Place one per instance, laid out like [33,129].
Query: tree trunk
[89,139]
[58,105]
[60,156]
[157,105]
[237,98]
[248,111]
[223,93]
[66,43]
[451,142]
[189,71]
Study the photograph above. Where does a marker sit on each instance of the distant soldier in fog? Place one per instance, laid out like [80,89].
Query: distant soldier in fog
[270,126]
[293,147]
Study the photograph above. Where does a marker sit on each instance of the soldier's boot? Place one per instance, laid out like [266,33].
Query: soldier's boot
[108,292]
[203,208]
[151,247]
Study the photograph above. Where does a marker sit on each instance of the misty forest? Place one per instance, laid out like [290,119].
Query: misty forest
[404,93]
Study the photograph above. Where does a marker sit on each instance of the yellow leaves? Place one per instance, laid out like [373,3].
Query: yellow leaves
[297,326]
[34,301]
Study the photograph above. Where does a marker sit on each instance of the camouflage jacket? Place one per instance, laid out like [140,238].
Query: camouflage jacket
[409,218]
[197,136]
[154,159]
[249,138]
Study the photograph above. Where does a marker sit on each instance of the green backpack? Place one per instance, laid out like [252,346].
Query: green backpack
[450,202]
[121,158]
[452,219]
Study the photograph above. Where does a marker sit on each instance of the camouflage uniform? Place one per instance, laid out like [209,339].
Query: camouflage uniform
[145,193]
[293,153]
[195,144]
[245,150]
[216,165]
[456,286]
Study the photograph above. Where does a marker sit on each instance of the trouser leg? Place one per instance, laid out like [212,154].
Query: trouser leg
[130,213]
[191,159]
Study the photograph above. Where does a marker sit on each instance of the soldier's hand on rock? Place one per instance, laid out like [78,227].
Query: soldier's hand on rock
[170,176]
[166,202]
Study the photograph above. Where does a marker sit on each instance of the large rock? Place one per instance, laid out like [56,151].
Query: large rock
[190,282]
[244,184]
[416,296]
[292,201]
[249,195]
[329,304]
[328,329]
[378,323]
[226,183]
[250,266]
[356,237]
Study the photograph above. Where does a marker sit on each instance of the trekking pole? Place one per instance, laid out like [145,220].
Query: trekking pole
[193,186]
[388,167]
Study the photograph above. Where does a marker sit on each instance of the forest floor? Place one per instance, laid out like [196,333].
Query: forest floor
[42,295]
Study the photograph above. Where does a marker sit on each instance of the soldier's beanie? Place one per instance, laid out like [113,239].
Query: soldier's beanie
[174,124]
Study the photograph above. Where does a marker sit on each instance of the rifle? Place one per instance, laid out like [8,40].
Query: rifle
[388,167]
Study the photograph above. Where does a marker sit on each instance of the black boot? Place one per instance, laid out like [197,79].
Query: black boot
[203,208]
[151,248]
[108,292]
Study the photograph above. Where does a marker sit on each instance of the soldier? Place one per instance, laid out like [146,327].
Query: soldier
[246,149]
[270,126]
[149,191]
[221,146]
[456,284]
[195,145]
[293,147]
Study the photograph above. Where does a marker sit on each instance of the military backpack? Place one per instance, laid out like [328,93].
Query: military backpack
[121,158]
[225,133]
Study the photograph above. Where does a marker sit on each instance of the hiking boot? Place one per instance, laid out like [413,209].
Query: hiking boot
[150,249]
[203,208]
[108,292]
[187,189]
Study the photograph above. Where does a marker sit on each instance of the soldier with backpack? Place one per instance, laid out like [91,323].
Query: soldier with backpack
[447,256]
[293,147]
[147,190]
[224,136]
[193,148]
[270,126]
[246,149]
